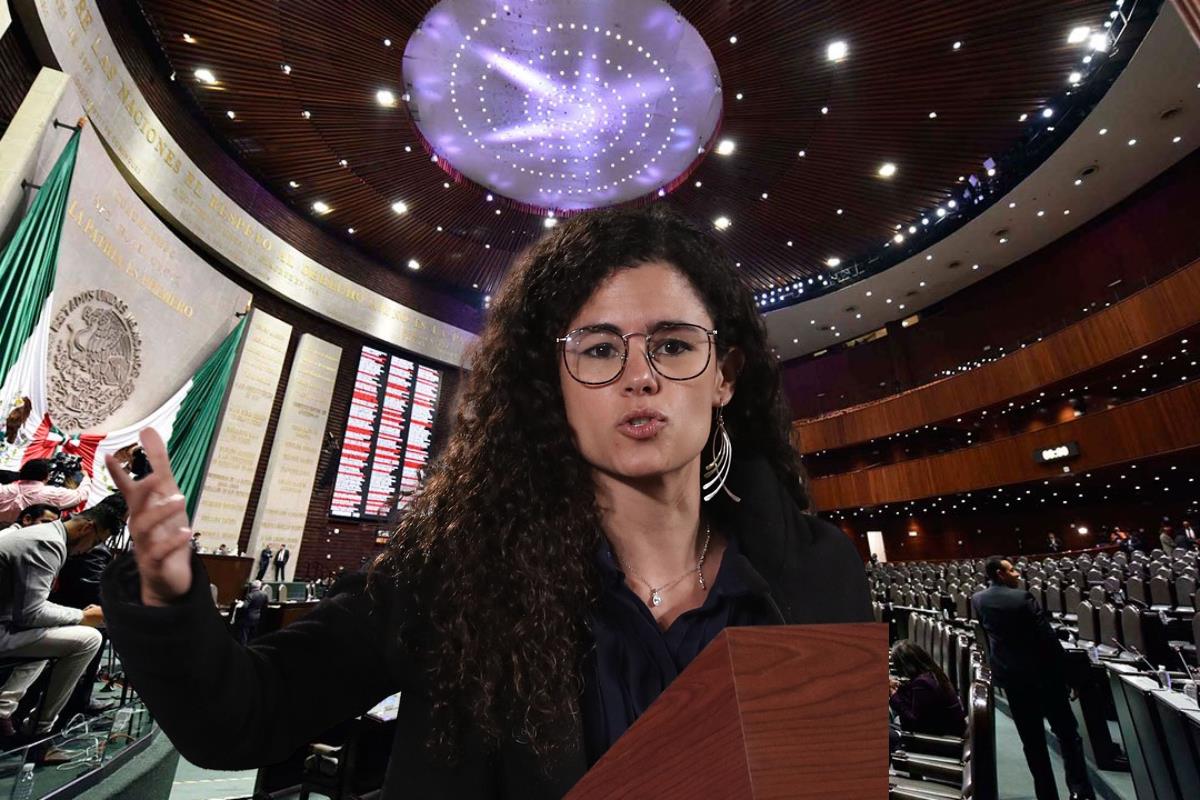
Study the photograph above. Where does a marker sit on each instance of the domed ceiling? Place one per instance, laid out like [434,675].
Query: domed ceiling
[444,138]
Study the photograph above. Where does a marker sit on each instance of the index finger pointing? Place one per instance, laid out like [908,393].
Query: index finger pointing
[156,453]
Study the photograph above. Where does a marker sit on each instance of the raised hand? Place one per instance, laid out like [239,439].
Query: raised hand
[158,523]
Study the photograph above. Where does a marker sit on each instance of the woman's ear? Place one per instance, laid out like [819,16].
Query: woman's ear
[729,367]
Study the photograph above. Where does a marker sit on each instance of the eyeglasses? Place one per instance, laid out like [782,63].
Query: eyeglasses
[597,355]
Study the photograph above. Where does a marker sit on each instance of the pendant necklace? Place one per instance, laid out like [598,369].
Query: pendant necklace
[656,592]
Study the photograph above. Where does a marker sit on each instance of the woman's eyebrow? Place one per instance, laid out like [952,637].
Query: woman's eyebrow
[651,328]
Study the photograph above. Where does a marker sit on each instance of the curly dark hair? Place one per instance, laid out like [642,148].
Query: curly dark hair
[498,551]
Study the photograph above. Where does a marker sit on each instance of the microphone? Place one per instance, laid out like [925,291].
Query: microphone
[1187,670]
[1158,674]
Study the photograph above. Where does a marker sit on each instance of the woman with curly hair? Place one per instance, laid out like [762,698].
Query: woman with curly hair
[619,486]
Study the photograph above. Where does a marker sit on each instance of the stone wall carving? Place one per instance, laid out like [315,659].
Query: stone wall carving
[94,359]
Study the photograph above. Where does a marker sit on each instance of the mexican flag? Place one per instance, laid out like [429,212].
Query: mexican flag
[28,265]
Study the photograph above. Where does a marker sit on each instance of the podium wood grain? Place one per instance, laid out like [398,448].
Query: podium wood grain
[764,712]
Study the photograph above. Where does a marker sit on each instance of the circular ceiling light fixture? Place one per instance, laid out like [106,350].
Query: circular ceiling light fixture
[554,112]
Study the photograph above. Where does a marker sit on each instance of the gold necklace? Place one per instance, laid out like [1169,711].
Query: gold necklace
[656,591]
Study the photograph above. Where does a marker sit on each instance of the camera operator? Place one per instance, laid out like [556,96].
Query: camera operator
[58,483]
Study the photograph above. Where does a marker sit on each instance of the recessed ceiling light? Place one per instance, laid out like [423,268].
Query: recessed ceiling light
[387,42]
[1041,213]
[1075,77]
[187,37]
[974,266]
[887,169]
[898,238]
[1012,205]
[205,75]
[1066,211]
[1132,142]
[1047,112]
[293,184]
[738,96]
[824,109]
[399,207]
[725,147]
[721,223]
[414,264]
[698,184]
[1177,140]
[385,98]
[1079,35]
[933,115]
[956,45]
[350,231]
[922,283]
[1022,118]
[1098,41]
[231,114]
[321,207]
[344,163]
[286,69]
[839,211]
[802,153]
[1079,181]
[306,114]
[789,244]
[733,40]
[833,261]
[764,195]
[549,222]
[837,50]
[497,212]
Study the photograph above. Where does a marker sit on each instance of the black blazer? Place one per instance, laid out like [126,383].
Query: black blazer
[256,601]
[225,706]
[1023,648]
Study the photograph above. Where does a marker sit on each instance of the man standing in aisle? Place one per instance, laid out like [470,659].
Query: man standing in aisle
[281,559]
[1027,661]
[264,561]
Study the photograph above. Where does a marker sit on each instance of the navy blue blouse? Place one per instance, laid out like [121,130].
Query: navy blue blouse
[633,660]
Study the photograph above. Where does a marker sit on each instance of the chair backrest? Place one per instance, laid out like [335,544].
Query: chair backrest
[1071,599]
[1054,598]
[981,768]
[269,591]
[1131,628]
[212,588]
[1089,624]
[1110,628]
[1135,587]
[939,644]
[1185,589]
[283,592]
[1160,590]
[962,605]
[1096,596]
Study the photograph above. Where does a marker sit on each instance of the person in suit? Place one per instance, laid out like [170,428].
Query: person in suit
[250,614]
[1027,661]
[264,561]
[282,556]
[1053,543]
[1185,527]
[619,487]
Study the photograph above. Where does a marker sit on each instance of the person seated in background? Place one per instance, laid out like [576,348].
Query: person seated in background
[223,550]
[31,625]
[78,586]
[1053,543]
[14,441]
[922,696]
[31,488]
[250,612]
[35,514]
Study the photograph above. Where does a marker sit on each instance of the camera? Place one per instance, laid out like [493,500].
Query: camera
[65,469]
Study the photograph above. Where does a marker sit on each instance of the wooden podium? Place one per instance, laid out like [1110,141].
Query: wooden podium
[797,711]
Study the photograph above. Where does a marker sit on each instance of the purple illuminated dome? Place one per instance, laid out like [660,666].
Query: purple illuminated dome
[567,105]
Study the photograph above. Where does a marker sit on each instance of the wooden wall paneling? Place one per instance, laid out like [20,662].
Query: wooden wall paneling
[1159,424]
[1157,312]
[1138,241]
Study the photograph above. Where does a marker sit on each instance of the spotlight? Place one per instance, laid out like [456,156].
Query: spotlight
[836,51]
[721,223]
[1079,35]
[887,170]
[413,264]
[321,207]
[205,75]
[725,147]
[385,98]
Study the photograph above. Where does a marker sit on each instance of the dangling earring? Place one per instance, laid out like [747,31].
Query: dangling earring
[717,470]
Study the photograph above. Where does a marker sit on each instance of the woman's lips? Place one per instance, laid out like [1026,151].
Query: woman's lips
[646,429]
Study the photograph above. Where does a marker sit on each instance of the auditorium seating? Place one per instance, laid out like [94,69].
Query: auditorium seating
[1122,617]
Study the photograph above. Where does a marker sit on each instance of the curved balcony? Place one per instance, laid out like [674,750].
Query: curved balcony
[1157,425]
[1159,311]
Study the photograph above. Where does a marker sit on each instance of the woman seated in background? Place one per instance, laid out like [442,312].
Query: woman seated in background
[922,695]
